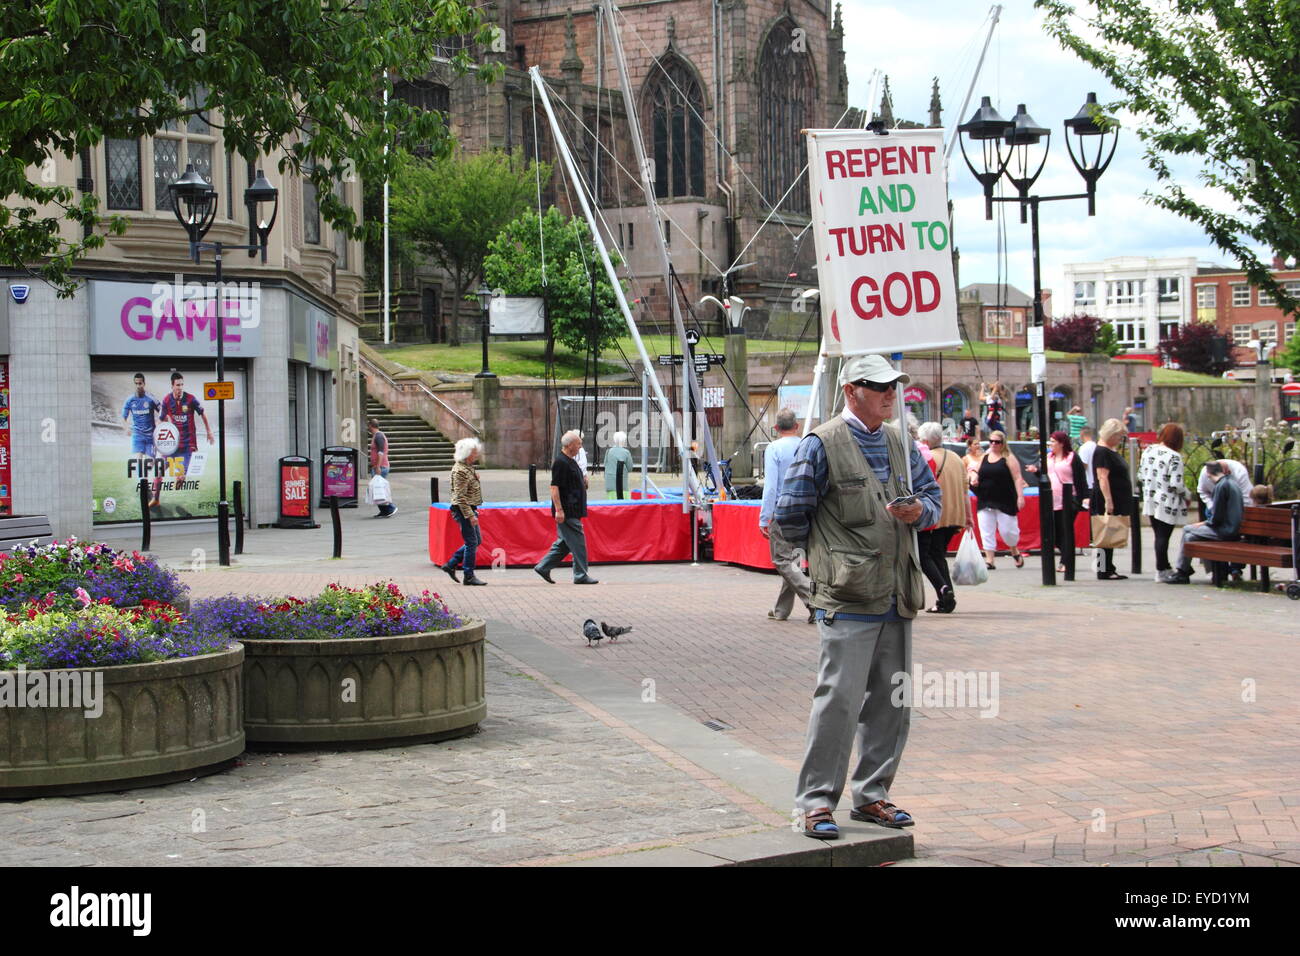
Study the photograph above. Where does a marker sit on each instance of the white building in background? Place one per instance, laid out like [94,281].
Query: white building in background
[1143,298]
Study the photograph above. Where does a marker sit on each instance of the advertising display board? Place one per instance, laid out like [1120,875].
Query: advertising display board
[295,493]
[338,475]
[153,424]
[6,465]
[884,256]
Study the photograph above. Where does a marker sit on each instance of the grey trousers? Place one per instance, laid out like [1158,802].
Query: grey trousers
[793,579]
[855,686]
[571,540]
[1200,533]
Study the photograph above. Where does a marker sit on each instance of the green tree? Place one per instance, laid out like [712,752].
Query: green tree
[1289,356]
[515,266]
[303,75]
[1217,81]
[450,209]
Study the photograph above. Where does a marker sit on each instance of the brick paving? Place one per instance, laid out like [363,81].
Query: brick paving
[1136,723]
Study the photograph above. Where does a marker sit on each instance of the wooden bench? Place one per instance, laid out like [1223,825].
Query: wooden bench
[1270,538]
[21,529]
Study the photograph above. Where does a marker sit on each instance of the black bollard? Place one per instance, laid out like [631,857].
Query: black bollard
[1067,531]
[433,490]
[239,517]
[338,526]
[1135,522]
[532,482]
[619,479]
[146,529]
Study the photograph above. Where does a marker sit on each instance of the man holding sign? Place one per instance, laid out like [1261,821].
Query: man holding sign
[847,501]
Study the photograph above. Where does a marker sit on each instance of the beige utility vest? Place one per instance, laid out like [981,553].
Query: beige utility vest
[859,556]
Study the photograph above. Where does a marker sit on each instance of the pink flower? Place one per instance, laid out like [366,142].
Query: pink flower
[18,579]
[123,563]
[83,597]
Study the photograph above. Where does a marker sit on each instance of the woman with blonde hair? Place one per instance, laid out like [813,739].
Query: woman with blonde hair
[466,496]
[1000,494]
[1112,488]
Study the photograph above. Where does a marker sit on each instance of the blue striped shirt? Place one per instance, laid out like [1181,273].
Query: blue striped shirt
[807,481]
[776,459]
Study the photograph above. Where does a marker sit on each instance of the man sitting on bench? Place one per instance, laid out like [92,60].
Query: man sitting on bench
[1224,523]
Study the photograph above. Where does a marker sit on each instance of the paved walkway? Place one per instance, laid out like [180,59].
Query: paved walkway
[1115,723]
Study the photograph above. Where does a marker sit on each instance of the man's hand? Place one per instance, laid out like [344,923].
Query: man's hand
[559,516]
[211,438]
[908,514]
[763,530]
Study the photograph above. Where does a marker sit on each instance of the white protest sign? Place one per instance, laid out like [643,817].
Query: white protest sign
[884,254]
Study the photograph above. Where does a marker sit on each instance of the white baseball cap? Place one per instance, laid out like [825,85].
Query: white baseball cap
[871,368]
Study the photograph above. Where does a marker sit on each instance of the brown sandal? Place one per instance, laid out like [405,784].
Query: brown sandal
[884,813]
[823,819]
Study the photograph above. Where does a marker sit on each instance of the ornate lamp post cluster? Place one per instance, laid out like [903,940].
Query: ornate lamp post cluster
[1017,149]
[194,202]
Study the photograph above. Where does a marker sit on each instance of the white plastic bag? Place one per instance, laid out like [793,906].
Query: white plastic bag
[969,568]
[379,492]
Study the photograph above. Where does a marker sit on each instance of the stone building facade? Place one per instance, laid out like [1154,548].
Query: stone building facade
[723,89]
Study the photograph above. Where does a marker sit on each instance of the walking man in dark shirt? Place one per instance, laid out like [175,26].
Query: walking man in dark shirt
[569,506]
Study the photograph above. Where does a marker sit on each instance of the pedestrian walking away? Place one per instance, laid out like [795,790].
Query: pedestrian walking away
[569,507]
[845,500]
[950,473]
[466,496]
[776,459]
[1164,493]
[616,455]
[1113,488]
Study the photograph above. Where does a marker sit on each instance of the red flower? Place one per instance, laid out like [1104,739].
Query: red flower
[18,579]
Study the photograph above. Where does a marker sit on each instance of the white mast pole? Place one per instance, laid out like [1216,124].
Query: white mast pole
[563,146]
[387,333]
[952,138]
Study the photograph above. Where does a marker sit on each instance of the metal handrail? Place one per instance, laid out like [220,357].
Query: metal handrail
[368,366]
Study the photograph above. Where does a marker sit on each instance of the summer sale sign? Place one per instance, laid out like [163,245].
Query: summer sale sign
[884,252]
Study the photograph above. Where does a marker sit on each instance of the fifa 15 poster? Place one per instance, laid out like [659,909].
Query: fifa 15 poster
[155,425]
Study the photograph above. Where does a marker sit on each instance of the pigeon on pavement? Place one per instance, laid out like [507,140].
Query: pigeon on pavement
[613,632]
[591,632]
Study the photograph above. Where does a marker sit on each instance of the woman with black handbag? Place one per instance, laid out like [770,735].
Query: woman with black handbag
[1112,492]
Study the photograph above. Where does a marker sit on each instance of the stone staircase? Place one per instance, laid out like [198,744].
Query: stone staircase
[413,444]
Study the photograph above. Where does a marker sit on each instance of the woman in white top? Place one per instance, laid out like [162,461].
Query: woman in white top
[1164,491]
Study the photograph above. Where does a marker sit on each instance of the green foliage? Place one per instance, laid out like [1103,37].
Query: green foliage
[1289,356]
[450,209]
[1106,343]
[1279,444]
[515,265]
[1215,81]
[303,76]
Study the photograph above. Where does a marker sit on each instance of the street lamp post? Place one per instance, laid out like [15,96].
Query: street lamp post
[1022,166]
[485,303]
[195,204]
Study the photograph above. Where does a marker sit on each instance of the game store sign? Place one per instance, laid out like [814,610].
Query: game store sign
[174,318]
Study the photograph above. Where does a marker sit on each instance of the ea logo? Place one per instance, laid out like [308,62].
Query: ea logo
[110,505]
[166,439]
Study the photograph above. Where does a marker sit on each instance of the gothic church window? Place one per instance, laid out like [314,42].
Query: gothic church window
[675,110]
[787,89]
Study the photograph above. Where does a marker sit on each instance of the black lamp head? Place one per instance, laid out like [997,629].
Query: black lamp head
[986,123]
[1024,131]
[258,194]
[1084,123]
[194,202]
[484,296]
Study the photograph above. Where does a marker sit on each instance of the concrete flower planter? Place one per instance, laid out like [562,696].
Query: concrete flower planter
[160,722]
[373,691]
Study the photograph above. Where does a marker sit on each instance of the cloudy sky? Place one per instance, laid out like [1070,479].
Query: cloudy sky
[912,43]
